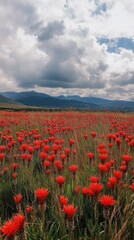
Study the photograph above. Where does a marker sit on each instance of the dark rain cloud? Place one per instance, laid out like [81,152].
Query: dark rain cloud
[62,68]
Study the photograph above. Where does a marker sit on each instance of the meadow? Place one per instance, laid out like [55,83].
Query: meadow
[66,175]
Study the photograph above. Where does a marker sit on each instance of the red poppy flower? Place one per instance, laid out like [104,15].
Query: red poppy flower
[111,136]
[29,158]
[63,157]
[112,162]
[30,149]
[5,170]
[123,168]
[19,221]
[94,179]
[101,146]
[29,209]
[52,158]
[103,157]
[9,229]
[96,188]
[103,168]
[43,155]
[85,191]
[60,180]
[18,198]
[118,141]
[2,148]
[63,200]
[67,151]
[2,155]
[57,163]
[118,174]
[55,148]
[71,142]
[85,136]
[24,156]
[132,187]
[23,147]
[103,151]
[14,175]
[20,139]
[107,201]
[41,194]
[127,158]
[70,211]
[108,165]
[112,182]
[110,145]
[94,134]
[90,155]
[14,166]
[73,168]
[47,164]
[46,148]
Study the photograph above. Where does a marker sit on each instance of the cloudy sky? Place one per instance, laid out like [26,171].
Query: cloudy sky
[68,47]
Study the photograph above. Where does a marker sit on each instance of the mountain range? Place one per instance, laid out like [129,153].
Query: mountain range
[37,99]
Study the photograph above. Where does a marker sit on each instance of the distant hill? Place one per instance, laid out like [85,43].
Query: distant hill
[36,99]
[5,100]
[9,104]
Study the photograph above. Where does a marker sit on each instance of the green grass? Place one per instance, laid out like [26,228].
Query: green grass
[89,221]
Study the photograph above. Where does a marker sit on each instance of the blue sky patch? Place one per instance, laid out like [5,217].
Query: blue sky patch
[100,9]
[115,44]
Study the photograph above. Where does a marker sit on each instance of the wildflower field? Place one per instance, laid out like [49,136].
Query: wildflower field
[66,175]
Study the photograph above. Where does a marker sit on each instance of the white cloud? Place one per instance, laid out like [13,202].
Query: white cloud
[54,43]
